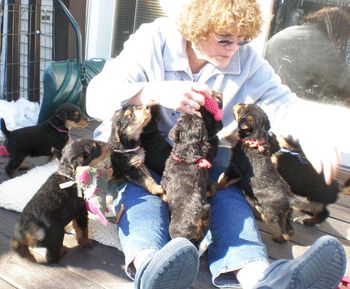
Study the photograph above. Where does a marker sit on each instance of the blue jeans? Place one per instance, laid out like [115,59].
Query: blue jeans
[235,239]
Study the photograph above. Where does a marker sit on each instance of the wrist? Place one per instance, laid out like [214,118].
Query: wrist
[149,94]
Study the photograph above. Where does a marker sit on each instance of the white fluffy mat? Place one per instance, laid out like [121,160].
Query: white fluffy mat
[16,192]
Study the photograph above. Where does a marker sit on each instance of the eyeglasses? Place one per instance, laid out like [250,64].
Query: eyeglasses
[228,42]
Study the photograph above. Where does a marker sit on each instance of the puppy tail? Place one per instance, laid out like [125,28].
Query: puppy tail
[297,202]
[3,128]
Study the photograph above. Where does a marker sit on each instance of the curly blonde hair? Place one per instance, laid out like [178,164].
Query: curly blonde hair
[199,18]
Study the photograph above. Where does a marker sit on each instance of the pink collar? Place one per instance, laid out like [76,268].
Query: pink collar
[201,162]
[64,130]
[258,144]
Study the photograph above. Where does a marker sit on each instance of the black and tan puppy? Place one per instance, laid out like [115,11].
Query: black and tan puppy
[157,149]
[186,180]
[43,220]
[309,186]
[38,140]
[127,155]
[253,171]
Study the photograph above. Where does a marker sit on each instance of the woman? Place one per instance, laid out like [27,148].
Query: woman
[173,64]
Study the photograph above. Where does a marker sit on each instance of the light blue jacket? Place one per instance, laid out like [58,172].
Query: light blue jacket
[156,52]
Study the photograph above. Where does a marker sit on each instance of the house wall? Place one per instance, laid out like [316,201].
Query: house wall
[101,23]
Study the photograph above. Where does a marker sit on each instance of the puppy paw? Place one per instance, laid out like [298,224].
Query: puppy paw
[164,197]
[280,239]
[224,182]
[221,181]
[156,190]
[85,243]
[307,221]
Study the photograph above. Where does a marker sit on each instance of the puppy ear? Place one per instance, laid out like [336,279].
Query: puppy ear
[61,114]
[174,133]
[126,118]
[114,136]
[274,145]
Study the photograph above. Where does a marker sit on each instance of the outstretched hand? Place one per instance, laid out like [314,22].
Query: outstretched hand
[182,96]
[323,156]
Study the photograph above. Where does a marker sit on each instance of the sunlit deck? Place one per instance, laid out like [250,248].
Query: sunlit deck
[102,266]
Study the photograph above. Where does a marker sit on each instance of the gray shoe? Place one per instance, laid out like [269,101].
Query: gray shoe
[320,267]
[175,266]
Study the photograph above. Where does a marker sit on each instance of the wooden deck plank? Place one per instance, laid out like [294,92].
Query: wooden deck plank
[5,285]
[102,265]
[24,274]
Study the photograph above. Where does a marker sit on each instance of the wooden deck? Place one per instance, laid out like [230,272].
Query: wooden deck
[102,266]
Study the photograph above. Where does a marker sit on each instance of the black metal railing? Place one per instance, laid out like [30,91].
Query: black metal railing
[26,33]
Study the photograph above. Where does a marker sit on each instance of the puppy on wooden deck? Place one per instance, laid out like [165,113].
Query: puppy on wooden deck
[186,180]
[38,140]
[306,184]
[42,221]
[127,155]
[253,171]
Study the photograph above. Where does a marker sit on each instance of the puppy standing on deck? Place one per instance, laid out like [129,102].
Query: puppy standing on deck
[127,155]
[38,140]
[309,186]
[252,169]
[186,180]
[43,220]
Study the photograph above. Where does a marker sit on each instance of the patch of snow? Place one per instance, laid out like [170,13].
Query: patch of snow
[18,114]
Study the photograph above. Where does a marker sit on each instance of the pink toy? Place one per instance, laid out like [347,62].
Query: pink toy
[212,106]
[4,152]
[93,183]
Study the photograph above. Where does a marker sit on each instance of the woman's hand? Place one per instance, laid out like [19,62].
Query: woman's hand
[182,96]
[324,138]
[323,155]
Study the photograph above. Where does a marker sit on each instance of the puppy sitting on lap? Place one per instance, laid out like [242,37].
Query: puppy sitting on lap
[127,155]
[186,179]
[157,149]
[42,221]
[38,140]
